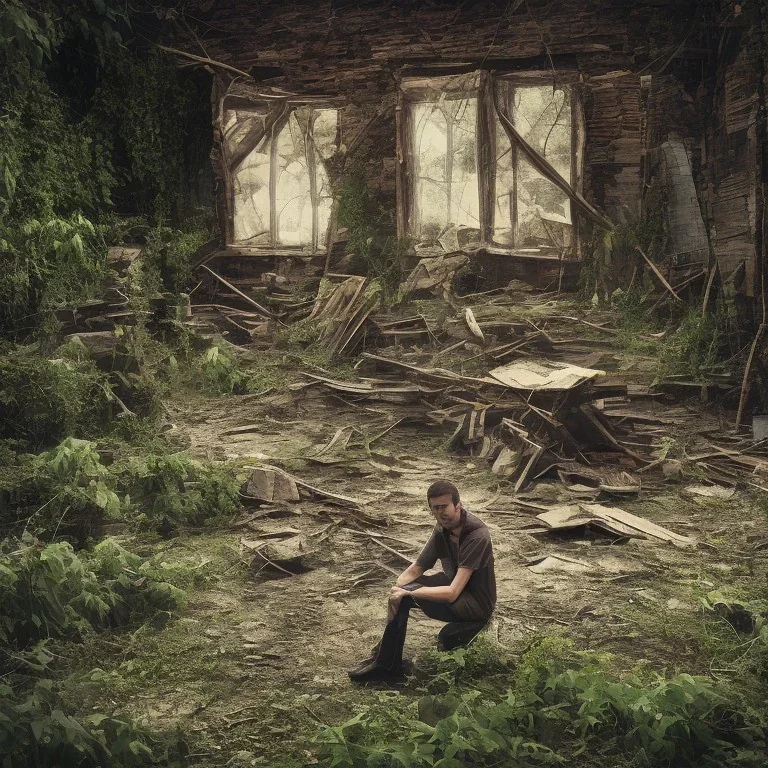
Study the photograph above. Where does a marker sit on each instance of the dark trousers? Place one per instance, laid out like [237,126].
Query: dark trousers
[456,633]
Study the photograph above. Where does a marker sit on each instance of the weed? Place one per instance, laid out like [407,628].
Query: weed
[166,258]
[693,348]
[371,234]
[37,731]
[42,401]
[166,492]
[563,703]
[50,591]
[221,371]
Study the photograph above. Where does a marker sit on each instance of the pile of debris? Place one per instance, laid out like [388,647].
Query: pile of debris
[526,419]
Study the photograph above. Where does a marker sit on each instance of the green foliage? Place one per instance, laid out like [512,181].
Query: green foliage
[42,400]
[371,234]
[564,706]
[693,348]
[221,371]
[102,126]
[50,167]
[166,257]
[146,119]
[166,492]
[36,731]
[23,37]
[45,263]
[50,591]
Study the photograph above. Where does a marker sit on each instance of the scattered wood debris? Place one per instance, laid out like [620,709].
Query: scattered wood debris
[610,520]
[344,315]
[268,483]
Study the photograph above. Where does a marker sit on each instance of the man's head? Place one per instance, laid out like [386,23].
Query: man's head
[444,502]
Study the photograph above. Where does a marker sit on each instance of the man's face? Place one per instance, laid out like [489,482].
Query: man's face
[445,511]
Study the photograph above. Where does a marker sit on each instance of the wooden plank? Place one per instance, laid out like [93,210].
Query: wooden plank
[263,310]
[658,274]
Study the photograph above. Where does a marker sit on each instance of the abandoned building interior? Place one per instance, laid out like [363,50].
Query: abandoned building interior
[327,253]
[506,132]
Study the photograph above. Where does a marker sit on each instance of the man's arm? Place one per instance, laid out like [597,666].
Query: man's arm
[447,594]
[411,573]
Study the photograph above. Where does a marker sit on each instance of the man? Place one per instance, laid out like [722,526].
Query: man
[463,595]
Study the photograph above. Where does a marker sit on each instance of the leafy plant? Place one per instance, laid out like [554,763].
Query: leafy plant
[47,262]
[170,491]
[564,704]
[41,401]
[50,591]
[221,371]
[35,731]
[693,348]
[371,237]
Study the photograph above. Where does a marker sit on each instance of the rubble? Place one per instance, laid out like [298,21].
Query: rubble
[610,520]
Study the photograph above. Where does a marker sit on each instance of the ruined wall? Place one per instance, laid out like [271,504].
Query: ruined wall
[733,168]
[360,50]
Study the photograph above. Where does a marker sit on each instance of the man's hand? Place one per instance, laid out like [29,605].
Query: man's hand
[395,596]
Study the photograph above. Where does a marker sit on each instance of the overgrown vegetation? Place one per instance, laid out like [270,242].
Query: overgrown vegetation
[89,126]
[42,400]
[50,592]
[560,706]
[69,492]
[371,232]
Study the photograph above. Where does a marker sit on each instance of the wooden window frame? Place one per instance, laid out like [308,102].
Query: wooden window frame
[276,117]
[414,89]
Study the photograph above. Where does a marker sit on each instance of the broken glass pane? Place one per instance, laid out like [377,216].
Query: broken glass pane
[445,167]
[295,180]
[530,211]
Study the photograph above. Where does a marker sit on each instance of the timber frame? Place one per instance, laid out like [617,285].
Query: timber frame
[414,87]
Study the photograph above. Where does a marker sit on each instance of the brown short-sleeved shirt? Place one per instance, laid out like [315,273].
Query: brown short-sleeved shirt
[475,551]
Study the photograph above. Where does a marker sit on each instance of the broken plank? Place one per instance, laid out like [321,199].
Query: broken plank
[244,296]
[658,274]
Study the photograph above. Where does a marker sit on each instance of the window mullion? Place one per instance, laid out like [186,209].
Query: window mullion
[485,157]
[309,146]
[514,159]
[274,233]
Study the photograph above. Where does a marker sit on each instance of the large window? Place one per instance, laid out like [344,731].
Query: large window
[281,193]
[464,173]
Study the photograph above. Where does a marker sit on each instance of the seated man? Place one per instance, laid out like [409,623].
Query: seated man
[464,594]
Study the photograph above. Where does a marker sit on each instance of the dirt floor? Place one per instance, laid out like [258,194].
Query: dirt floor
[256,659]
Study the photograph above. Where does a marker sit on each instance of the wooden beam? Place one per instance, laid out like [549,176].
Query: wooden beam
[486,157]
[263,310]
[273,122]
[203,60]
[659,276]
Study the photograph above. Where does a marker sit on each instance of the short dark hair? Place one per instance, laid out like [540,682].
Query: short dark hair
[441,488]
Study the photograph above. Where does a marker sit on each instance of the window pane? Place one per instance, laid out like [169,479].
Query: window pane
[523,196]
[251,198]
[543,118]
[293,201]
[445,169]
[293,196]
